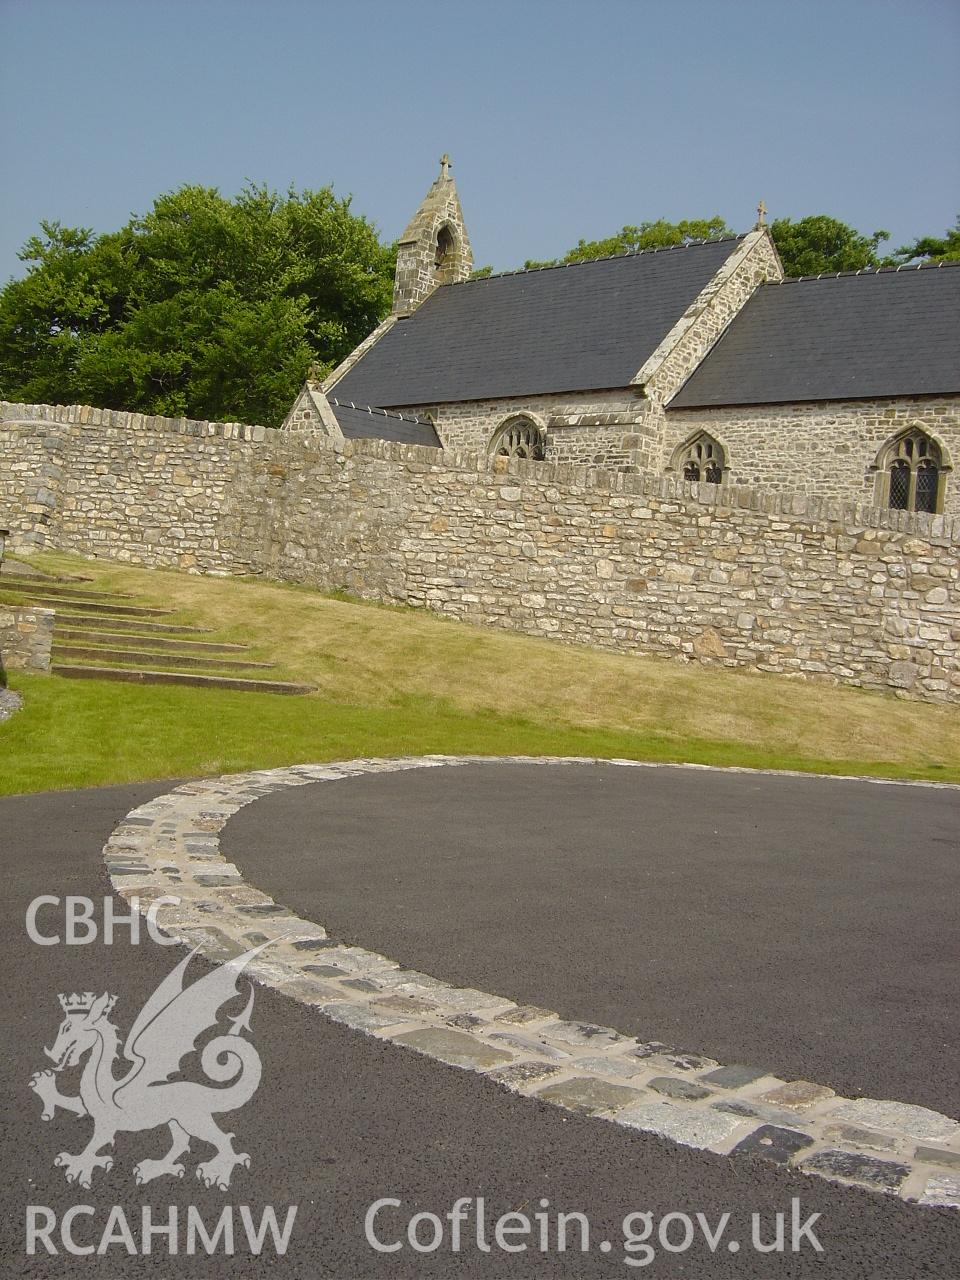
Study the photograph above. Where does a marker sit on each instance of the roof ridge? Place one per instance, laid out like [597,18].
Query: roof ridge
[606,257]
[386,413]
[865,271]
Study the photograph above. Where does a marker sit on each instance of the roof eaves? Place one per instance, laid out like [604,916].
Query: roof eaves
[808,399]
[385,413]
[866,271]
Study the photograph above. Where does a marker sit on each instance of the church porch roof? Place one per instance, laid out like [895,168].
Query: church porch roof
[361,422]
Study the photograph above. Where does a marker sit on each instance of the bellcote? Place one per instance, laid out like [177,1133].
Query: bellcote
[434,249]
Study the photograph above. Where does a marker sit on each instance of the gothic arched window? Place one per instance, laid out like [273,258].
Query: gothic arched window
[912,473]
[700,458]
[519,438]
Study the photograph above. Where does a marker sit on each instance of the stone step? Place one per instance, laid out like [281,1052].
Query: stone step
[57,602]
[17,571]
[180,677]
[161,643]
[59,588]
[97,622]
[139,657]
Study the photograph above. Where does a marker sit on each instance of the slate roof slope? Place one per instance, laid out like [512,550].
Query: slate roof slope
[361,422]
[859,335]
[581,327]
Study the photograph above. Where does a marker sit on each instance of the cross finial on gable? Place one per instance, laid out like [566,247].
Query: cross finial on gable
[761,215]
[444,166]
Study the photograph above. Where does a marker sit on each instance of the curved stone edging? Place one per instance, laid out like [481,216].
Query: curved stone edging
[170,846]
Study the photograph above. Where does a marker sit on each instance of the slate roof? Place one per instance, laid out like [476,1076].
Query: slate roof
[360,422]
[580,327]
[866,334]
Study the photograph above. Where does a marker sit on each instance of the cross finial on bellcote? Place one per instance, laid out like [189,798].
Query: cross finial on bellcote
[761,215]
[444,166]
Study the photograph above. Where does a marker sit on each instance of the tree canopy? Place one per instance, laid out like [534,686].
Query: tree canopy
[204,307]
[820,243]
[945,248]
[808,247]
[215,308]
[648,235]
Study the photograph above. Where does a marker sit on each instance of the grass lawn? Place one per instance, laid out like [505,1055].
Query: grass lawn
[401,681]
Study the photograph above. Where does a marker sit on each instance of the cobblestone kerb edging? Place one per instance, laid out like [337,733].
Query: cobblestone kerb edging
[171,847]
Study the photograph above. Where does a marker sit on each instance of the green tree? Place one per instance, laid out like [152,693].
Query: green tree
[811,246]
[945,248]
[648,235]
[205,307]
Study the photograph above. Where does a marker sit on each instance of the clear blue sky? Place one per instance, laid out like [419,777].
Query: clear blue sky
[564,118]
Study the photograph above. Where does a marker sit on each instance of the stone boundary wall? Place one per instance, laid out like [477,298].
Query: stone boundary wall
[771,581]
[31,469]
[26,638]
[149,490]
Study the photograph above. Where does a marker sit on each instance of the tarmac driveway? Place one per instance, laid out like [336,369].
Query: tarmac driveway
[342,1120]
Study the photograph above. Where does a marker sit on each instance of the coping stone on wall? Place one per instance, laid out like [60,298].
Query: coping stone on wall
[121,419]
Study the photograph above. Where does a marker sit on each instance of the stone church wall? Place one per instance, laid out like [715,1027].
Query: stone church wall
[760,580]
[827,449]
[612,429]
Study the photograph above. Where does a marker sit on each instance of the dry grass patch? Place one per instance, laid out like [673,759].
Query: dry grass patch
[365,655]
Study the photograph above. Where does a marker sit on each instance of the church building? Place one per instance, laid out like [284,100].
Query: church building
[700,362]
